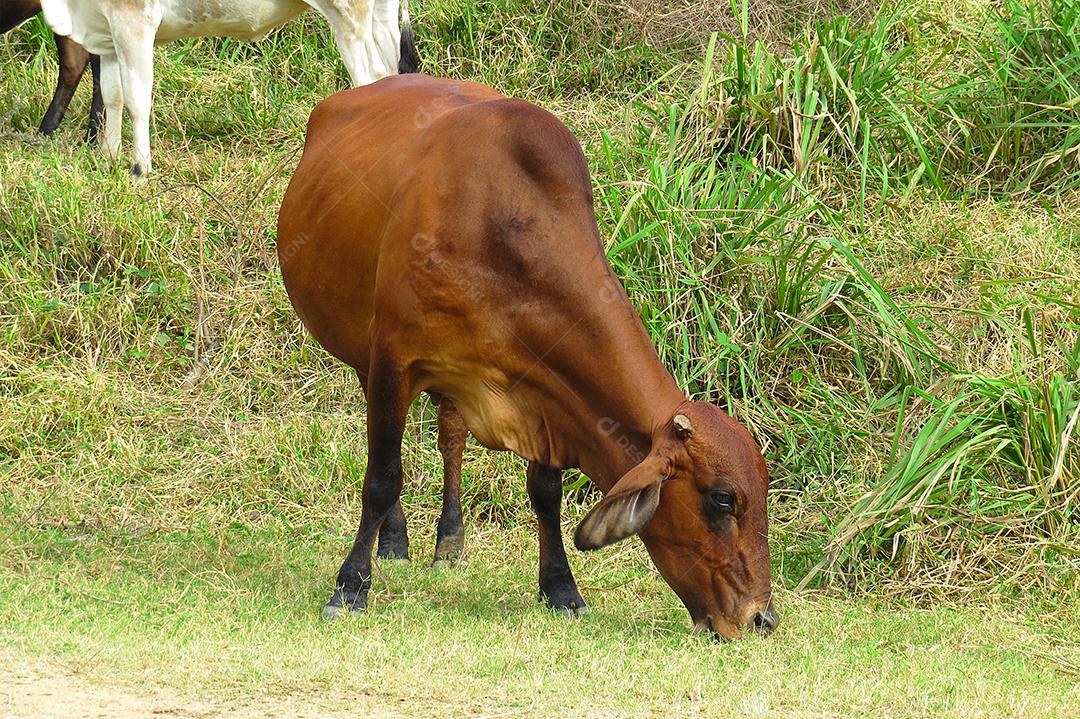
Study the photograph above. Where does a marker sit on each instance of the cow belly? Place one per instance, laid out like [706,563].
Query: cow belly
[509,423]
[243,19]
[498,415]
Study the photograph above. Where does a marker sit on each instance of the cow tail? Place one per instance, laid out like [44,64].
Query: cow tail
[409,60]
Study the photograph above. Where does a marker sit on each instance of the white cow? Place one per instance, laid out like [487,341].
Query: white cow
[124,32]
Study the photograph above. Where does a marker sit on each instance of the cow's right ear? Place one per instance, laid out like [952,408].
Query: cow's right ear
[627,508]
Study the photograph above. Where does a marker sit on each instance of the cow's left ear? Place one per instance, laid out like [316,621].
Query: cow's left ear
[627,508]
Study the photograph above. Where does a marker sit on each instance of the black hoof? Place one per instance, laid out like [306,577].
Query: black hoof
[332,613]
[450,546]
[449,561]
[565,599]
[393,544]
[393,555]
[341,604]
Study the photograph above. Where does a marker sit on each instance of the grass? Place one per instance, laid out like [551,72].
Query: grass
[233,611]
[851,238]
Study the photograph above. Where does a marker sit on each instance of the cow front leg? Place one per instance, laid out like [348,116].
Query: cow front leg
[73,60]
[135,50]
[394,536]
[387,407]
[112,95]
[557,586]
[450,536]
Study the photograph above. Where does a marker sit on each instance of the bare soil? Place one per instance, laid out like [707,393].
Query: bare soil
[31,694]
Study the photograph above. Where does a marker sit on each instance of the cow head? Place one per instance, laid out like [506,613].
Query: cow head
[697,501]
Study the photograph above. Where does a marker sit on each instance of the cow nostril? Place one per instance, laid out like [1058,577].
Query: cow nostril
[765,622]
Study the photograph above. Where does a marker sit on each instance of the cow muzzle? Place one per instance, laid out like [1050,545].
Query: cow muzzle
[763,623]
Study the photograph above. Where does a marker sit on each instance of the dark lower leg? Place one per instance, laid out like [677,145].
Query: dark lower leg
[557,585]
[382,488]
[450,538]
[382,484]
[97,106]
[73,61]
[394,535]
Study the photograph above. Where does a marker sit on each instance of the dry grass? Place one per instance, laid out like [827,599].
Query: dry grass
[679,22]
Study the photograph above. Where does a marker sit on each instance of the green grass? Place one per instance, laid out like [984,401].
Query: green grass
[234,612]
[858,244]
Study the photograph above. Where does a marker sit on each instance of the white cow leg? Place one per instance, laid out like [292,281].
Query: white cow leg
[354,54]
[384,42]
[369,58]
[356,59]
[112,95]
[135,48]
[368,43]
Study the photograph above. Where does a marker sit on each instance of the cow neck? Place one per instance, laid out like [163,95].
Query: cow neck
[618,437]
[626,397]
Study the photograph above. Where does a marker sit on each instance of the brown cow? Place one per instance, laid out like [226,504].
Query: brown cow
[439,237]
[73,62]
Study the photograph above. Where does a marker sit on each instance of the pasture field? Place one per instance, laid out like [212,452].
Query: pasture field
[860,235]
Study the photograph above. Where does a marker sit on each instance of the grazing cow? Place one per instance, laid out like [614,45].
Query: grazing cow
[439,237]
[73,61]
[123,33]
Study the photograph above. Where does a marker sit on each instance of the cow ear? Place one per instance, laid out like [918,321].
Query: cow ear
[626,509]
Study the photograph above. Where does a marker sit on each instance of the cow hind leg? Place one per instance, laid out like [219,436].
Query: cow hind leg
[386,411]
[394,536]
[557,586]
[97,105]
[112,96]
[368,43]
[135,48]
[450,536]
[73,61]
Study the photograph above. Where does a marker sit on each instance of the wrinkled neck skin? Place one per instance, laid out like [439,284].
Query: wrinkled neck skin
[620,442]
[623,397]
[582,423]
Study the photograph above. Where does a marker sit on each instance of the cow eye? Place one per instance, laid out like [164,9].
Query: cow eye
[723,501]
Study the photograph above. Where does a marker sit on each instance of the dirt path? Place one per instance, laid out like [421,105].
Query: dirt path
[30,695]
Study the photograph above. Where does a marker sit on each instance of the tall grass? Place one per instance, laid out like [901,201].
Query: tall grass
[1013,119]
[867,105]
[735,219]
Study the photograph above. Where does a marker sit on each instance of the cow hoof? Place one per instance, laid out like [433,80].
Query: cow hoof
[392,551]
[138,174]
[339,607]
[441,563]
[566,600]
[449,550]
[331,613]
[570,612]
[392,558]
